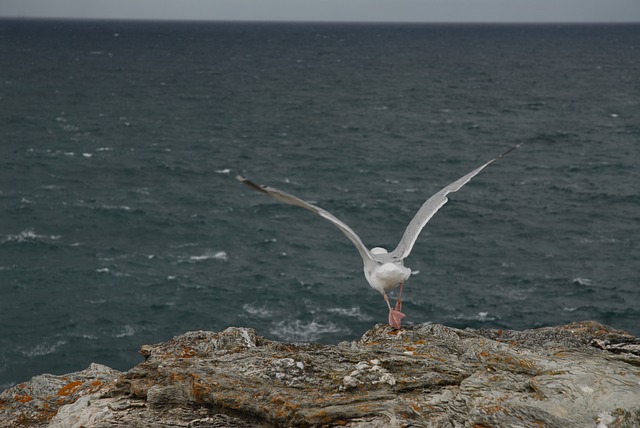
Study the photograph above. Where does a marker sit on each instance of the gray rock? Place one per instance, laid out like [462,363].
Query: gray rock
[579,375]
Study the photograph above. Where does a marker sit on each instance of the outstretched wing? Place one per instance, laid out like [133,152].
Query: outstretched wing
[431,206]
[290,199]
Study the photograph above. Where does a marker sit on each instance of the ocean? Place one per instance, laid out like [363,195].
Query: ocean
[122,223]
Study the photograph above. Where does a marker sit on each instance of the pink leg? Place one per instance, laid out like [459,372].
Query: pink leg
[399,301]
[395,316]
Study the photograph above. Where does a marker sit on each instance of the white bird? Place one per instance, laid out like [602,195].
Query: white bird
[383,270]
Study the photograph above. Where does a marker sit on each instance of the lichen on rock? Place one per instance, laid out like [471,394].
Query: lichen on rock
[367,372]
[581,374]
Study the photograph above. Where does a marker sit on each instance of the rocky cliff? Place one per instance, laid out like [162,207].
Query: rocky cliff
[578,375]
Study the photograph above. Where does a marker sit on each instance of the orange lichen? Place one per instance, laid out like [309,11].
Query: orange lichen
[442,360]
[512,363]
[176,377]
[285,408]
[433,357]
[24,398]
[187,352]
[199,389]
[495,409]
[69,388]
[95,386]
[320,414]
[277,400]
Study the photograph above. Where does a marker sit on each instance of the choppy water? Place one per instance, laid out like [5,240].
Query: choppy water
[121,222]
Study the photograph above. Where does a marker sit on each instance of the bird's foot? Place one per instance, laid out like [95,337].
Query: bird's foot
[395,317]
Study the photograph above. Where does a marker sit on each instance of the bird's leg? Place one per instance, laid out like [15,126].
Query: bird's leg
[399,301]
[395,317]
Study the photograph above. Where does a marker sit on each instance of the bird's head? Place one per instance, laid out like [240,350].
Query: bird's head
[379,250]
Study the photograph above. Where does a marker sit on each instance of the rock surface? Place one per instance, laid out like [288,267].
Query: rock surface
[579,375]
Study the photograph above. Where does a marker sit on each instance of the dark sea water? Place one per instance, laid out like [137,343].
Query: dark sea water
[121,222]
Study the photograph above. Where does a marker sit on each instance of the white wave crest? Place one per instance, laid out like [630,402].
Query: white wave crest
[29,235]
[43,349]
[299,331]
[208,255]
[354,312]
[125,331]
[256,311]
[582,281]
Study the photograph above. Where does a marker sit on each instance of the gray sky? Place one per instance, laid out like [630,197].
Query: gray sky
[334,10]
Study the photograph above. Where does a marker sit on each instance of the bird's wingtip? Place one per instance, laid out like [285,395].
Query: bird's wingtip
[512,148]
[251,184]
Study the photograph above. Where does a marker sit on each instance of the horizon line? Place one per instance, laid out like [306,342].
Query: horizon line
[312,21]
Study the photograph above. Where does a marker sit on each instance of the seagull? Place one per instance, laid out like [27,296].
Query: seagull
[383,270]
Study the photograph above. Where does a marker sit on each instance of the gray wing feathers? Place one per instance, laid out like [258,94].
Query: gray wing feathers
[424,214]
[290,199]
[431,206]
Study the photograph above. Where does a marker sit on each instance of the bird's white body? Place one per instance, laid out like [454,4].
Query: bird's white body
[383,270]
[385,276]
